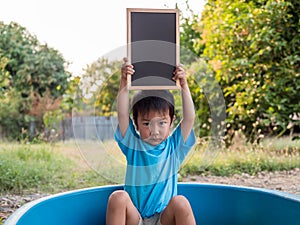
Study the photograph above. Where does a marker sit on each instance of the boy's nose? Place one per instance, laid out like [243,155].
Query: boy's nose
[154,129]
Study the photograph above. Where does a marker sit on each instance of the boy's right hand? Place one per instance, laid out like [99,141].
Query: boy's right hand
[127,69]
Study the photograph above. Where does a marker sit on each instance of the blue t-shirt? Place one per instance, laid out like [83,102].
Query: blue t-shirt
[151,173]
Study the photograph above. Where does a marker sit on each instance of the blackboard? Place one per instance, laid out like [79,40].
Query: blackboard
[153,47]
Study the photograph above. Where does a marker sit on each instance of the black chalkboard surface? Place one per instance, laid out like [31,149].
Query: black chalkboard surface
[153,47]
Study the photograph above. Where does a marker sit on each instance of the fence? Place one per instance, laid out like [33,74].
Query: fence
[81,127]
[88,128]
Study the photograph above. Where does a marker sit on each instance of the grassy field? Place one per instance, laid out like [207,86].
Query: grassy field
[44,168]
[65,166]
[270,155]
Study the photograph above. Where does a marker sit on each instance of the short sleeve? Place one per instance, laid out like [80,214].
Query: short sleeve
[182,147]
[126,141]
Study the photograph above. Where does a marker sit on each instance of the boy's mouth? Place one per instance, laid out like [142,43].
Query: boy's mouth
[154,140]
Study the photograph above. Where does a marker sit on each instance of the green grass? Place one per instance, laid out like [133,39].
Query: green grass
[60,167]
[39,167]
[270,155]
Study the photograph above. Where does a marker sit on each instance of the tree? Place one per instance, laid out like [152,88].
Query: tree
[99,86]
[9,101]
[4,81]
[190,34]
[32,69]
[253,48]
[31,65]
[205,90]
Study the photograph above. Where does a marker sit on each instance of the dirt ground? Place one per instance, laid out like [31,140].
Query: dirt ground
[286,181]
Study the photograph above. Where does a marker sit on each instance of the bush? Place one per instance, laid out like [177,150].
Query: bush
[253,49]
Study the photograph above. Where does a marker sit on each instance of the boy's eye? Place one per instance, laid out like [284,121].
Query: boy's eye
[162,123]
[145,123]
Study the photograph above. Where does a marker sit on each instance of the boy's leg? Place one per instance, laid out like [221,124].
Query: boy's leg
[178,212]
[120,210]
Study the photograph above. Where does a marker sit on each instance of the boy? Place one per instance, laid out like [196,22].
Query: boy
[153,156]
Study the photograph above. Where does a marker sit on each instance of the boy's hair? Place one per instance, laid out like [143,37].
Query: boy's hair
[157,100]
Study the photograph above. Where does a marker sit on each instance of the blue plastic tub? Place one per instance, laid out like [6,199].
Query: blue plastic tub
[212,205]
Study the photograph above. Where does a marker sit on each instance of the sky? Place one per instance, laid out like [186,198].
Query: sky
[81,30]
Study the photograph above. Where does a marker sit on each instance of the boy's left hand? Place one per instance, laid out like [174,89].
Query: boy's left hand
[179,74]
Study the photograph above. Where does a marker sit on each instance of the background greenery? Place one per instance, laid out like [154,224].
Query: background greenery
[32,80]
[253,48]
[248,49]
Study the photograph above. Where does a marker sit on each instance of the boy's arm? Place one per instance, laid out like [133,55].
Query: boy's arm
[123,97]
[188,111]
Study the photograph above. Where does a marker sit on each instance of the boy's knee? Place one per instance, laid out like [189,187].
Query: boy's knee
[180,203]
[119,197]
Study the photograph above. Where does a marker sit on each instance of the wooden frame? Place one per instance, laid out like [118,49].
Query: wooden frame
[153,47]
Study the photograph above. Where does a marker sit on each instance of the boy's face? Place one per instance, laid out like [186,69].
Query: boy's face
[154,127]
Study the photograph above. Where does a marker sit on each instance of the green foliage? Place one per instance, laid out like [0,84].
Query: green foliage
[4,81]
[190,34]
[196,76]
[31,65]
[52,120]
[11,120]
[43,70]
[10,104]
[10,101]
[107,96]
[253,48]
[69,98]
[27,69]
[99,85]
[205,90]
